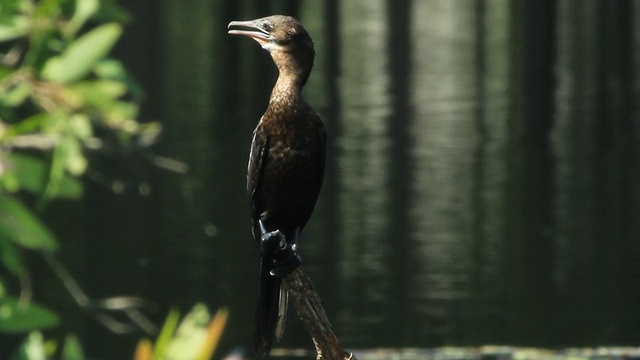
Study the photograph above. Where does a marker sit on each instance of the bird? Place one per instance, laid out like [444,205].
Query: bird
[285,169]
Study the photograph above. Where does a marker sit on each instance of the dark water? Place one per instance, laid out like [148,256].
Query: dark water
[483,181]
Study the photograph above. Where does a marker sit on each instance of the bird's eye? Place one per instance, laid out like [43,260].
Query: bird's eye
[266,25]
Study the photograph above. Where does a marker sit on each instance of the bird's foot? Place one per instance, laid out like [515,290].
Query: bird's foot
[284,256]
[285,262]
[271,241]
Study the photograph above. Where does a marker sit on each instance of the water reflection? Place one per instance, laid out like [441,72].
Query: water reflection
[362,169]
[443,154]
[452,202]
[482,185]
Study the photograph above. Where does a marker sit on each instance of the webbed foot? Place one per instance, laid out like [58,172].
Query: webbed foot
[284,256]
[285,266]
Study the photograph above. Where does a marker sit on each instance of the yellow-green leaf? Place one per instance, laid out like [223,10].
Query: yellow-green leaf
[84,10]
[72,156]
[168,329]
[80,126]
[82,55]
[190,335]
[52,124]
[33,348]
[31,124]
[12,27]
[15,95]
[99,93]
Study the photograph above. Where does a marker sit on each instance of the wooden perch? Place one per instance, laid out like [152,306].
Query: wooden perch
[310,310]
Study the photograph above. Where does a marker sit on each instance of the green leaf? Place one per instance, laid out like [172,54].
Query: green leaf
[82,55]
[101,92]
[190,335]
[28,125]
[32,349]
[10,256]
[39,49]
[80,126]
[9,182]
[56,173]
[121,113]
[5,71]
[168,329]
[102,97]
[32,175]
[71,152]
[110,69]
[48,9]
[12,27]
[21,226]
[16,95]
[19,317]
[72,349]
[84,10]
[13,6]
[30,172]
[52,124]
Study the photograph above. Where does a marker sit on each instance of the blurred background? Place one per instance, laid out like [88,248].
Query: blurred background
[482,184]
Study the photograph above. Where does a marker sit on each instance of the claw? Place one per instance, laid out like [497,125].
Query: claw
[296,237]
[262,228]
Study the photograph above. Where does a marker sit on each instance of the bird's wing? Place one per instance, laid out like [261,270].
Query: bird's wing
[255,168]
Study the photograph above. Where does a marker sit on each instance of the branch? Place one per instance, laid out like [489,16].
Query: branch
[310,310]
[46,142]
[100,308]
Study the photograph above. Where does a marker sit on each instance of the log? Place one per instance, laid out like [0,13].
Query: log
[310,310]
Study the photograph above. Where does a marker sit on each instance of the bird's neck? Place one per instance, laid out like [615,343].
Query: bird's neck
[293,72]
[287,90]
[293,69]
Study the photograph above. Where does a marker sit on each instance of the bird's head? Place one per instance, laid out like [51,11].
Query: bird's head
[286,40]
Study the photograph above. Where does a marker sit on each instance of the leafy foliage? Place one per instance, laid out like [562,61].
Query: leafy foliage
[35,347]
[16,317]
[61,97]
[194,338]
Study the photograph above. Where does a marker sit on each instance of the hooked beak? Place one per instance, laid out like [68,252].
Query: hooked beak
[250,29]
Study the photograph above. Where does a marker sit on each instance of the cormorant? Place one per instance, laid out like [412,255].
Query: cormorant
[286,166]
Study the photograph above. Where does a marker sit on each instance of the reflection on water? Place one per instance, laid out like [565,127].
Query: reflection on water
[483,183]
[456,224]
[445,138]
[363,172]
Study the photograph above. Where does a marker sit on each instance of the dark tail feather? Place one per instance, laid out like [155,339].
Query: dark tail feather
[271,312]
